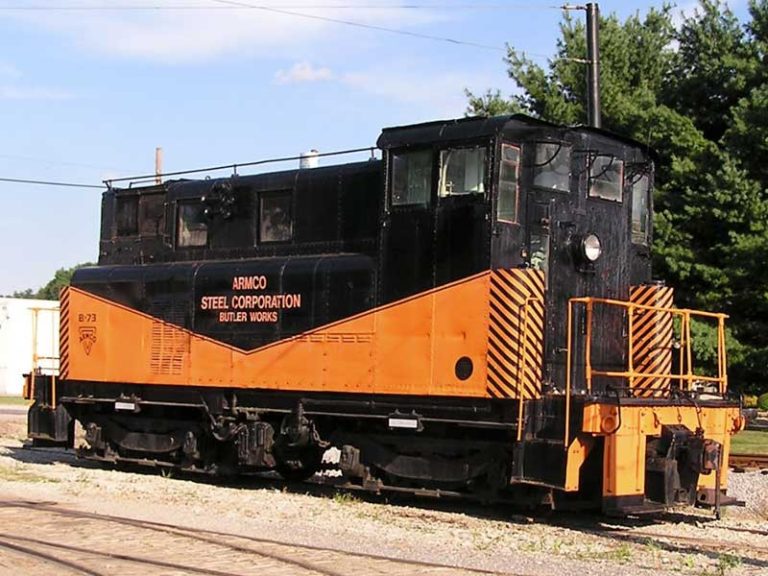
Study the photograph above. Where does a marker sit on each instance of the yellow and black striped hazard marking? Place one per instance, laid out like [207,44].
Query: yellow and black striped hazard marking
[516,333]
[652,335]
[64,334]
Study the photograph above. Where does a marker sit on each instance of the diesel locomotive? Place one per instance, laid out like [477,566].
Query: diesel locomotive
[472,313]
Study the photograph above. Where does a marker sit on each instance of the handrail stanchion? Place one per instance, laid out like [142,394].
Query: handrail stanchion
[521,373]
[631,345]
[724,362]
[681,353]
[688,350]
[568,369]
[588,347]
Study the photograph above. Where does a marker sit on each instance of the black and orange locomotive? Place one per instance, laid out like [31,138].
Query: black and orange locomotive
[472,313]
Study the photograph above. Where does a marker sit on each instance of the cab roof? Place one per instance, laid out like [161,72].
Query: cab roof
[480,127]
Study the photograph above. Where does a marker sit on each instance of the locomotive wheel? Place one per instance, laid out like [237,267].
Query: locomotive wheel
[299,465]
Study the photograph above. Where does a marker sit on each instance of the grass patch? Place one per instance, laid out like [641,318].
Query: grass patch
[18,474]
[622,554]
[13,401]
[345,498]
[750,442]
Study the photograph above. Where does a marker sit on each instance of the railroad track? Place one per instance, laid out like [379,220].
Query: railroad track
[75,542]
[748,461]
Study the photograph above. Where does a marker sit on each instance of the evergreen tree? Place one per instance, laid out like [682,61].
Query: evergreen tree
[698,95]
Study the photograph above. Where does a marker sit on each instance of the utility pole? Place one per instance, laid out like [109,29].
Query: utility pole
[593,66]
[593,62]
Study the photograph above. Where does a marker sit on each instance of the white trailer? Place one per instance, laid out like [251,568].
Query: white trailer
[29,341]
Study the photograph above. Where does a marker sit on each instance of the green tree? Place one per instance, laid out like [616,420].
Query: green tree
[61,278]
[28,293]
[698,95]
[714,67]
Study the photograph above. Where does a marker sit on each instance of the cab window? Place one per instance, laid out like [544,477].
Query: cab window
[606,177]
[552,166]
[152,214]
[462,171]
[411,177]
[509,184]
[275,217]
[640,209]
[192,225]
[127,215]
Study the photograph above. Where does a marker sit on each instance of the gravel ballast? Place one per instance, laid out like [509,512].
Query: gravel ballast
[498,539]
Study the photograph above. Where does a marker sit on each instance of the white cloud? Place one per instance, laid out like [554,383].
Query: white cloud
[190,36]
[303,72]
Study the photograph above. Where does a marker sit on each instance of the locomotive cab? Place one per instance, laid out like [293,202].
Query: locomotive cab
[513,193]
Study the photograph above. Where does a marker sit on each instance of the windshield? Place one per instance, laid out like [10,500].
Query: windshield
[462,171]
[552,166]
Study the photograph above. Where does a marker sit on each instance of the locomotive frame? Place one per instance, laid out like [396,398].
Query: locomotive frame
[474,313]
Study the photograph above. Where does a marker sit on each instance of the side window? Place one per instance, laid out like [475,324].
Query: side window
[606,177]
[127,215]
[275,217]
[509,184]
[411,177]
[191,225]
[152,215]
[552,166]
[640,209]
[462,171]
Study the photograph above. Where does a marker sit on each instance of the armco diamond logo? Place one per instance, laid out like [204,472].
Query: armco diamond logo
[88,338]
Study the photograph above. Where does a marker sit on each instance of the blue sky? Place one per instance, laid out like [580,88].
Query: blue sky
[88,95]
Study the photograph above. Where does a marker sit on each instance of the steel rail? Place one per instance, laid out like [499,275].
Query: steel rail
[220,538]
[743,461]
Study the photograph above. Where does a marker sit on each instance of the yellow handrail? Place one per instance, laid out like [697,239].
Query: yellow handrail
[687,374]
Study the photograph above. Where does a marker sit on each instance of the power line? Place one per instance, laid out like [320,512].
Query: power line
[287,10]
[55,162]
[181,7]
[50,183]
[360,25]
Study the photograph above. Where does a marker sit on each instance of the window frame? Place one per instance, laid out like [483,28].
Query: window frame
[443,169]
[392,177]
[122,199]
[180,205]
[642,237]
[145,209]
[271,194]
[518,176]
[592,179]
[536,167]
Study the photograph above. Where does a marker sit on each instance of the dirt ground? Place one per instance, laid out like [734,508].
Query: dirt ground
[498,539]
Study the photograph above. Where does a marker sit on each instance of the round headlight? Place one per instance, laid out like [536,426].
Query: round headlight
[591,248]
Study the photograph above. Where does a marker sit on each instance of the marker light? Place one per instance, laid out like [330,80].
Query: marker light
[591,248]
